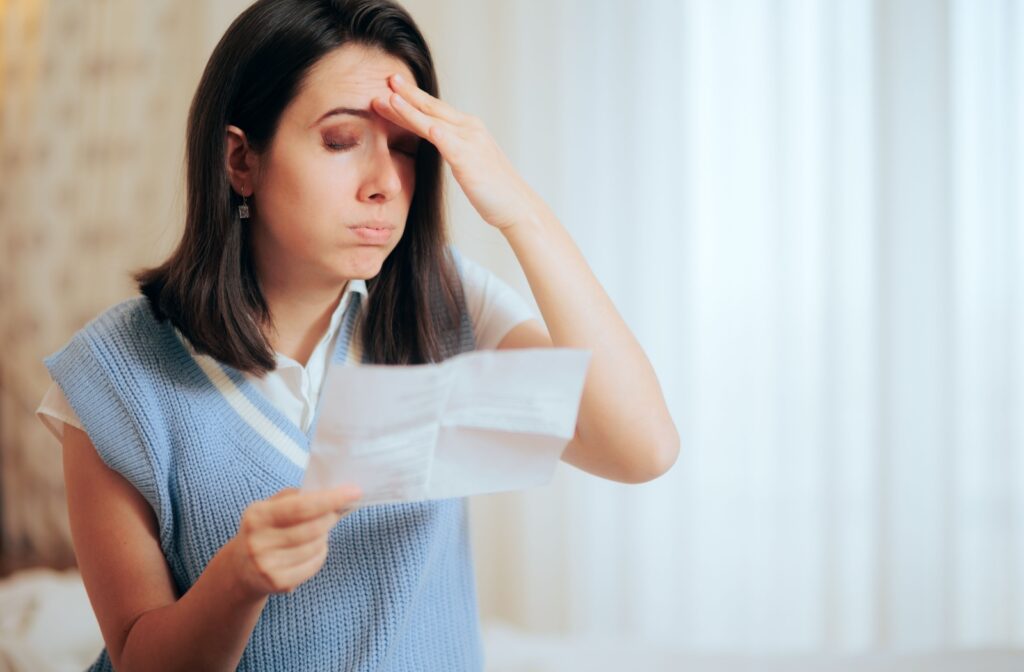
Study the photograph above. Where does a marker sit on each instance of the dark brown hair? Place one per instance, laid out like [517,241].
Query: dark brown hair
[208,287]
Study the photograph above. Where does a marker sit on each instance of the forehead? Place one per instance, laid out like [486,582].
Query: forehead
[349,76]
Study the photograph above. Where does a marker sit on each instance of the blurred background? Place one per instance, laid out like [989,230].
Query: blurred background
[808,211]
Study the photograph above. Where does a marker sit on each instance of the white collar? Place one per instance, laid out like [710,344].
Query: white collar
[353,286]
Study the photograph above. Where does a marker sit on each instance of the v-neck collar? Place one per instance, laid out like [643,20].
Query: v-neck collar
[354,286]
[259,414]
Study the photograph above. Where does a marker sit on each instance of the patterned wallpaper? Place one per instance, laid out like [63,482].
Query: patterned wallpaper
[93,100]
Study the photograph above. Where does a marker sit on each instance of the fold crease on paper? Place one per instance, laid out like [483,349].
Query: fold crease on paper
[482,421]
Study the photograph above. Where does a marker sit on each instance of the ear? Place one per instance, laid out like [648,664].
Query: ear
[241,162]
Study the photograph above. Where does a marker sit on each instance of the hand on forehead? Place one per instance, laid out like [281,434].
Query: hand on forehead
[350,77]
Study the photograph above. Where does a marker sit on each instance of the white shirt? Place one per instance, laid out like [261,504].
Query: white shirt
[494,309]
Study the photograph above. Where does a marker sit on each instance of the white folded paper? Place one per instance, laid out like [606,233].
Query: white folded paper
[482,421]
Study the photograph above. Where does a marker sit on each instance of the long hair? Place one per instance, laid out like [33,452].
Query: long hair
[208,287]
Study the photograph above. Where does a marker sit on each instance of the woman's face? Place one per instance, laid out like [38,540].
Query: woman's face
[334,164]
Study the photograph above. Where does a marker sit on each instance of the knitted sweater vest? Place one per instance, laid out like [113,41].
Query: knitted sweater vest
[201,443]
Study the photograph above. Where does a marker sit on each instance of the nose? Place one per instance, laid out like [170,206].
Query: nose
[381,177]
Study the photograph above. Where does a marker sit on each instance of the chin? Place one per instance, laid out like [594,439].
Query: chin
[364,263]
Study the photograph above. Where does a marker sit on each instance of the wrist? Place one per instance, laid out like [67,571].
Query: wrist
[240,586]
[533,222]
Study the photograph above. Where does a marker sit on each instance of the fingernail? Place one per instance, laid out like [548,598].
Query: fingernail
[398,79]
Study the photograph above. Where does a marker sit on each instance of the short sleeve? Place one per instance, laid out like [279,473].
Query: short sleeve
[494,307]
[54,412]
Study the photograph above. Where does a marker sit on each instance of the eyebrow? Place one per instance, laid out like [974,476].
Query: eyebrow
[365,114]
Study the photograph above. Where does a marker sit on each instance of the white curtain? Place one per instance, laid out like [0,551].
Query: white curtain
[809,214]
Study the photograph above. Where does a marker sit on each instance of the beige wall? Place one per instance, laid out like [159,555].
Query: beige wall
[93,99]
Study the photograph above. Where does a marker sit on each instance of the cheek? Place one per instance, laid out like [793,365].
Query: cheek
[282,186]
[304,195]
[297,209]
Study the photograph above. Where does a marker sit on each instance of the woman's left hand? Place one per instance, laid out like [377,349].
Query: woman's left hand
[483,171]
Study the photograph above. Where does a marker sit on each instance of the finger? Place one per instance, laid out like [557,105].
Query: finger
[383,107]
[296,535]
[299,574]
[423,101]
[286,558]
[302,506]
[422,124]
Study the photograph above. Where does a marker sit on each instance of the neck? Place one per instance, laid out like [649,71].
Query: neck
[301,301]
[300,317]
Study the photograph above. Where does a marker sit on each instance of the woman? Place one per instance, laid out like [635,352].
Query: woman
[314,233]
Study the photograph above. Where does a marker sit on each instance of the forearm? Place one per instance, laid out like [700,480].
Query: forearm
[623,420]
[206,629]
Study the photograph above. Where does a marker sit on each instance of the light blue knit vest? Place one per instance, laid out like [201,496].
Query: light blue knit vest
[397,589]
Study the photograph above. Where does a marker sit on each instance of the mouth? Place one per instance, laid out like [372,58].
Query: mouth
[373,232]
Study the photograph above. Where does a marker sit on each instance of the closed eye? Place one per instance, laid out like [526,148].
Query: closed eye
[344,146]
[340,146]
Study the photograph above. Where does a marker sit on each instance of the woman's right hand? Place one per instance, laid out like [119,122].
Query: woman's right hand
[282,540]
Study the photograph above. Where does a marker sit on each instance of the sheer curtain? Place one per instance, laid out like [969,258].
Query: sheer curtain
[808,212]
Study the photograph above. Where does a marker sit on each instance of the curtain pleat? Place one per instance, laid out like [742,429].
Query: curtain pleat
[808,213]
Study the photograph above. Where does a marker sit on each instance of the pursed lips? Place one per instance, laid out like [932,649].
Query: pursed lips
[372,232]
[372,224]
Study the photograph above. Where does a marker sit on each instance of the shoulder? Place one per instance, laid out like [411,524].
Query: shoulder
[494,307]
[125,331]
[126,322]
[479,281]
[128,315]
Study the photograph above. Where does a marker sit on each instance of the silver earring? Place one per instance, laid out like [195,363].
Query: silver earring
[243,209]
